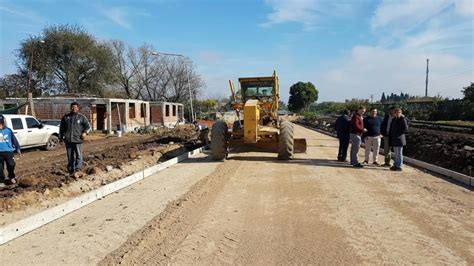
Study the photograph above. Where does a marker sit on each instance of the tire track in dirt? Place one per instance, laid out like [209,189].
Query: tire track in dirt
[161,237]
[206,245]
[264,217]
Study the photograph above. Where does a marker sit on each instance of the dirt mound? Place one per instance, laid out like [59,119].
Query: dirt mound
[449,150]
[37,176]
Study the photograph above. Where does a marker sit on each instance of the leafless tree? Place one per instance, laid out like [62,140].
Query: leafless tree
[144,75]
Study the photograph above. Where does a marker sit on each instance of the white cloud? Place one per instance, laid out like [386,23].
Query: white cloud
[121,15]
[24,14]
[373,70]
[406,14]
[306,12]
[407,32]
[465,7]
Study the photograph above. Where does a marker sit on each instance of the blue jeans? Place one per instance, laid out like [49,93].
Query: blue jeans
[355,140]
[398,156]
[74,156]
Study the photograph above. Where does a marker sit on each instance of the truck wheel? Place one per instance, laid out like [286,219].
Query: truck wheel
[285,141]
[218,141]
[53,143]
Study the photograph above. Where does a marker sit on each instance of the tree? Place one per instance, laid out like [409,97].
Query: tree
[16,85]
[469,93]
[141,74]
[66,59]
[301,96]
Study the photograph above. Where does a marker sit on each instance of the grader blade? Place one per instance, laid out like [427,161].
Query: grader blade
[299,145]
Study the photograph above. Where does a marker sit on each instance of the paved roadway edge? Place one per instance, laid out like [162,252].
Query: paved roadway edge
[465,179]
[26,225]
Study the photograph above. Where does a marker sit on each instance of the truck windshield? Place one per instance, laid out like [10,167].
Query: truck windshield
[258,92]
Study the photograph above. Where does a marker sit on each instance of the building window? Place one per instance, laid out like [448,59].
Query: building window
[174,110]
[167,110]
[131,110]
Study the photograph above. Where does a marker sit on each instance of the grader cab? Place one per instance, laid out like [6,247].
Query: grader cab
[260,128]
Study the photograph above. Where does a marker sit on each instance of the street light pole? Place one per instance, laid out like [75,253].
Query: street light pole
[188,78]
[30,95]
[190,95]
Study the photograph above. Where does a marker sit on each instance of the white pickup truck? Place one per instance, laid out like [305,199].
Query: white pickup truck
[31,133]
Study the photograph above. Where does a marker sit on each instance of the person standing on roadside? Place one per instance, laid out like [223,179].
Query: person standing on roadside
[398,128]
[357,129]
[343,129]
[8,147]
[372,137]
[203,133]
[385,129]
[73,131]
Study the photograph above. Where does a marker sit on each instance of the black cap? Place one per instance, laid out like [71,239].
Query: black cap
[2,120]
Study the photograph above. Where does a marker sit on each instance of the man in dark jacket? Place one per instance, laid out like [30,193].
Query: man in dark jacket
[357,129]
[74,129]
[385,129]
[372,137]
[398,128]
[8,147]
[343,129]
[203,133]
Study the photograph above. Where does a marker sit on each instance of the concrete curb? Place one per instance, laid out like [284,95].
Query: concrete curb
[26,225]
[465,179]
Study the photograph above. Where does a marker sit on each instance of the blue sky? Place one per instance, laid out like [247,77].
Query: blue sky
[348,49]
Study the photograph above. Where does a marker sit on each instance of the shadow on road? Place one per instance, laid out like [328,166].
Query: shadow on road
[315,162]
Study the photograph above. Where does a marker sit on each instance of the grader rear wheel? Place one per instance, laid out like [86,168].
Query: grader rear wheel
[219,141]
[285,141]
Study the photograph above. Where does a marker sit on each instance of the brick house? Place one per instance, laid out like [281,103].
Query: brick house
[166,114]
[104,114]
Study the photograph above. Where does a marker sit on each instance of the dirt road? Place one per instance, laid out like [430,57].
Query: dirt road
[254,209]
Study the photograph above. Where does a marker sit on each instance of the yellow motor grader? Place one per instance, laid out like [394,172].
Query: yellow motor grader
[260,128]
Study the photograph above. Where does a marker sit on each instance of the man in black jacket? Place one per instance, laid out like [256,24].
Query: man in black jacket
[385,129]
[73,130]
[398,128]
[343,129]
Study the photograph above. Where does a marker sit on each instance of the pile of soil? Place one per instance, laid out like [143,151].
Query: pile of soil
[454,151]
[446,149]
[41,172]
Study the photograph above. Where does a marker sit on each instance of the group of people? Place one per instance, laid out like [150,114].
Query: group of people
[354,128]
[73,131]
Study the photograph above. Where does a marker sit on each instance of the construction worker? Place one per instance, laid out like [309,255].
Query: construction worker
[203,133]
[73,130]
[8,147]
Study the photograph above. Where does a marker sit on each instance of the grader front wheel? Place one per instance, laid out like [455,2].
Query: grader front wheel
[219,141]
[285,141]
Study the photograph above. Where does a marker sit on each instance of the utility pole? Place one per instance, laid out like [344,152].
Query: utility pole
[427,71]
